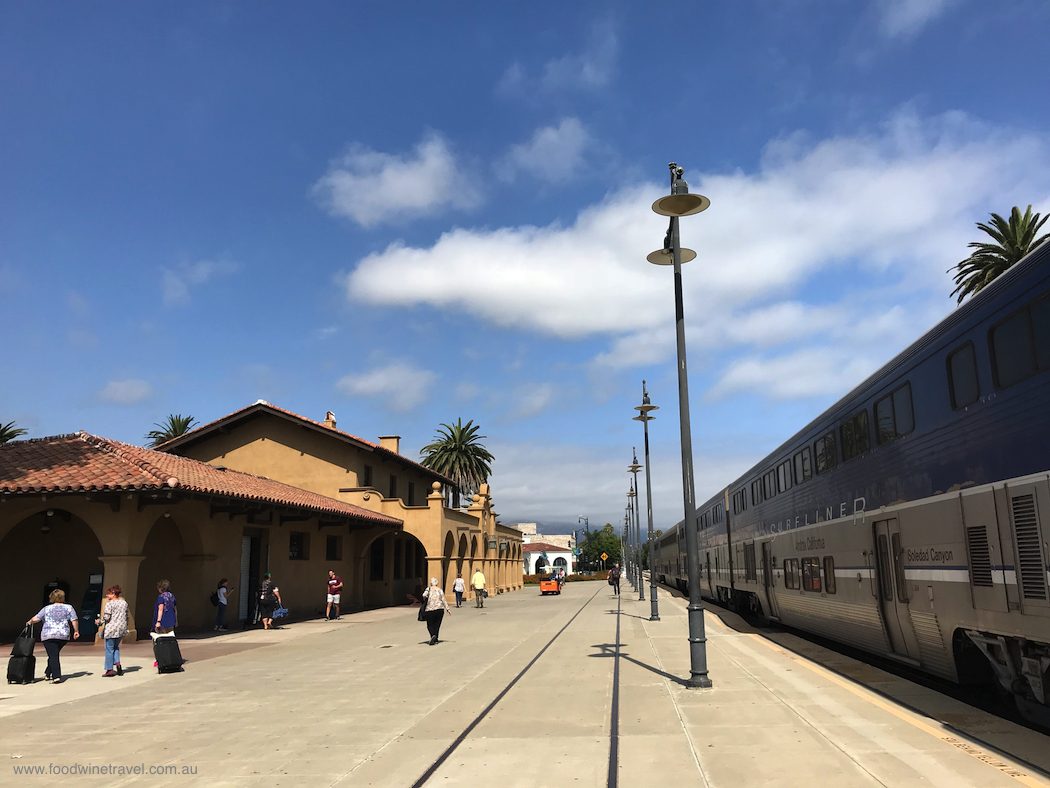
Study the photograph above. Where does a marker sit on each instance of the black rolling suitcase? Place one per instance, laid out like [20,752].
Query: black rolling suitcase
[21,670]
[166,652]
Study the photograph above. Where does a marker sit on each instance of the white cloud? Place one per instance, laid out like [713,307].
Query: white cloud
[531,400]
[888,210]
[553,154]
[905,18]
[177,282]
[371,187]
[400,385]
[129,391]
[803,373]
[590,69]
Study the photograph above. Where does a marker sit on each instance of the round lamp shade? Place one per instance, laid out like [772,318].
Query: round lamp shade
[681,204]
[665,257]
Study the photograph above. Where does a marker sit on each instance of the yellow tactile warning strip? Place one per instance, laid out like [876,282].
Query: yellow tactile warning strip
[905,715]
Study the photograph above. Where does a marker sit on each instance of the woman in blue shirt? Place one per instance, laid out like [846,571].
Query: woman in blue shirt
[57,618]
[165,615]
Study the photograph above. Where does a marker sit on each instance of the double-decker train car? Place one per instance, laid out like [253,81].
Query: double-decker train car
[911,518]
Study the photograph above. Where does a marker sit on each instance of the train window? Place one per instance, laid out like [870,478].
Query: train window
[898,567]
[756,492]
[750,565]
[739,501]
[769,484]
[1041,332]
[855,436]
[791,573]
[1013,357]
[705,521]
[824,449]
[811,574]
[885,578]
[784,476]
[962,376]
[893,415]
[829,574]
[803,465]
[718,513]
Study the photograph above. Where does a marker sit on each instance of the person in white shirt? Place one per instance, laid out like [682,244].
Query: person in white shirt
[222,595]
[459,587]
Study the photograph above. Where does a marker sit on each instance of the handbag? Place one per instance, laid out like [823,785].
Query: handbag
[422,613]
[23,646]
[280,612]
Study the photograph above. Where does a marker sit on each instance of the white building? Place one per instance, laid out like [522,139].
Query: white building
[543,556]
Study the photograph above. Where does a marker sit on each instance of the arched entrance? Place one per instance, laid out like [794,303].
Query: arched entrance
[51,544]
[395,568]
[560,563]
[446,564]
[168,545]
[541,565]
[463,548]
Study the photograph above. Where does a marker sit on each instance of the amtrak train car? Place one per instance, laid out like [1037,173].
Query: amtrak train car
[911,518]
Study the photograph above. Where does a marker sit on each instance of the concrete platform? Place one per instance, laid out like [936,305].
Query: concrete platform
[529,691]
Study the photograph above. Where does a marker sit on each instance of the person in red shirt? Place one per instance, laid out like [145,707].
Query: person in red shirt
[335,587]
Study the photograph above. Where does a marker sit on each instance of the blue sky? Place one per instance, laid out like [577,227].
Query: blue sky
[408,215]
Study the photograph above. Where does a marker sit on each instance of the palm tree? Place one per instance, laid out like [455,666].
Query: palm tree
[1013,240]
[176,425]
[457,453]
[8,432]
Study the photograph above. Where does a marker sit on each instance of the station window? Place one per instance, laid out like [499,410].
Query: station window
[791,573]
[333,548]
[829,574]
[824,450]
[856,438]
[803,461]
[1013,357]
[784,476]
[377,560]
[298,546]
[366,476]
[893,415]
[399,560]
[393,486]
[769,484]
[811,574]
[756,492]
[411,501]
[963,387]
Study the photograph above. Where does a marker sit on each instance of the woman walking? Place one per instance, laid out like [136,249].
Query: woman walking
[165,613]
[269,599]
[57,618]
[114,622]
[435,608]
[459,587]
[222,600]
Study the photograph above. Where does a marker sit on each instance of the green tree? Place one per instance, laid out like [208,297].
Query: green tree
[1013,240]
[594,543]
[176,425]
[457,452]
[8,432]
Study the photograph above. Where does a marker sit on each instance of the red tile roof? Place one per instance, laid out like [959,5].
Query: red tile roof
[83,462]
[544,547]
[264,406]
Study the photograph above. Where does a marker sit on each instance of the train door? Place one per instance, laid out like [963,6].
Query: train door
[767,579]
[893,590]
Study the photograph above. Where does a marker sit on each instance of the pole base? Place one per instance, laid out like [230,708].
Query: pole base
[654,618]
[699,682]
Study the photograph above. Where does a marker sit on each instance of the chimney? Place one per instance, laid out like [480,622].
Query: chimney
[329,420]
[390,443]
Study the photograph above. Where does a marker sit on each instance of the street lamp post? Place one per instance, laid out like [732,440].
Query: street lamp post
[678,204]
[625,544]
[575,538]
[643,416]
[633,468]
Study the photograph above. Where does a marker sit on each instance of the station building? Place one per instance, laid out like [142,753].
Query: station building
[262,489]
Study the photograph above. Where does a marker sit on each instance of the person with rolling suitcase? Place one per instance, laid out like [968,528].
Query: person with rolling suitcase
[57,618]
[21,667]
[166,652]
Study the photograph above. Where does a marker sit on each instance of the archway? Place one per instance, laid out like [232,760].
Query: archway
[541,565]
[48,545]
[561,564]
[163,551]
[446,563]
[395,569]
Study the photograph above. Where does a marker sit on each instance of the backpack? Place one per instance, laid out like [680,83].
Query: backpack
[214,598]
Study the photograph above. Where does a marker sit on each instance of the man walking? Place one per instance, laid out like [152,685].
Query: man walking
[614,579]
[460,588]
[478,581]
[335,588]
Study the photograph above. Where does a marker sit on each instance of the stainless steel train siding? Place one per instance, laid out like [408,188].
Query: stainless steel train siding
[911,518]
